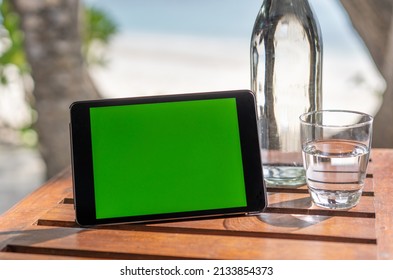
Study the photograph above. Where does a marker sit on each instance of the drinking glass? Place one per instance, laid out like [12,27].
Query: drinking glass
[336,149]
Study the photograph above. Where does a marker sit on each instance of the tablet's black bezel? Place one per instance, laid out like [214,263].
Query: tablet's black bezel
[82,165]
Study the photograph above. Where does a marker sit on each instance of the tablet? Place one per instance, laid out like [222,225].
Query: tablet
[159,158]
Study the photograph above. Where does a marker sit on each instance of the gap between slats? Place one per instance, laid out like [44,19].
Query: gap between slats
[319,212]
[297,211]
[217,232]
[146,245]
[22,249]
[280,210]
[69,222]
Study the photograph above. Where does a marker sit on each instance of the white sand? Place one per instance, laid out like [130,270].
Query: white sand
[151,64]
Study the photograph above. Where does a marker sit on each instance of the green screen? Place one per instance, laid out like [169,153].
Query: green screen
[166,157]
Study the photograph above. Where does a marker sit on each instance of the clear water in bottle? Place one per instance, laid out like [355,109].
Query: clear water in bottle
[286,65]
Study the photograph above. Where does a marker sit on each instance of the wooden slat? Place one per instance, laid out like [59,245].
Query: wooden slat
[368,189]
[300,203]
[23,255]
[185,245]
[27,211]
[284,226]
[382,165]
[17,251]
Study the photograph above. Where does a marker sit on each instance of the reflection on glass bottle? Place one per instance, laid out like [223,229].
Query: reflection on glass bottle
[286,70]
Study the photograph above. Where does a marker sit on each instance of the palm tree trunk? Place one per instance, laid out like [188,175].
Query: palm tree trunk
[53,48]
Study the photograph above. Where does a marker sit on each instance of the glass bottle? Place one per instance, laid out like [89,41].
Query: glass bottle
[286,76]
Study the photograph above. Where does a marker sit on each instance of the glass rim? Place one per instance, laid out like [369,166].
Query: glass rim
[361,114]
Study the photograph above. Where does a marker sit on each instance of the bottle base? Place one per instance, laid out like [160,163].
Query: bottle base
[290,176]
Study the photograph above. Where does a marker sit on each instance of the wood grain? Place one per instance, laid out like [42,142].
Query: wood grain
[282,226]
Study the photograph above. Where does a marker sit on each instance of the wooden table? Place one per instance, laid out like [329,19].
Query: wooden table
[42,227]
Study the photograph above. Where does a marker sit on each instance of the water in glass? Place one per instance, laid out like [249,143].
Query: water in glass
[335,172]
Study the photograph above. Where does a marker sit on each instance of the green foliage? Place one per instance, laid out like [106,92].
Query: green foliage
[12,36]
[98,28]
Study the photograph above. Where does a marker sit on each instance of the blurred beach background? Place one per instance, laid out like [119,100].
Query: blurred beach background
[184,46]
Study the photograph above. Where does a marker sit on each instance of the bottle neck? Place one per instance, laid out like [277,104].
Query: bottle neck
[281,7]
